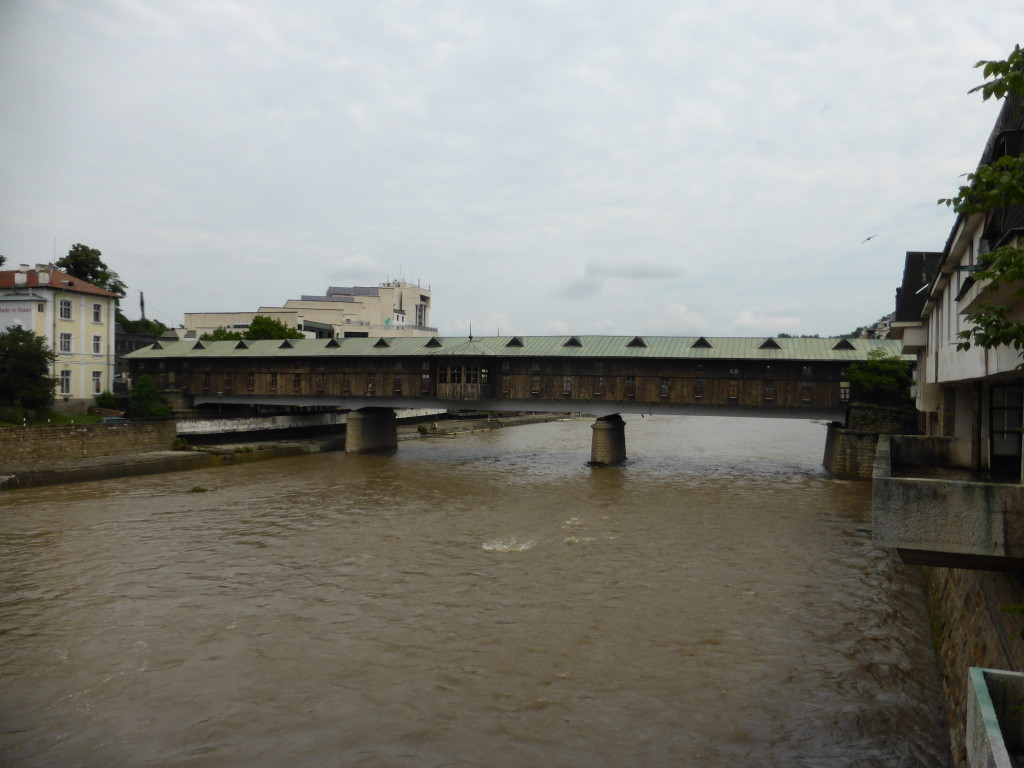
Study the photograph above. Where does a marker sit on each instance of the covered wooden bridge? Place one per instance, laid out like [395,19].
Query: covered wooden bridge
[601,375]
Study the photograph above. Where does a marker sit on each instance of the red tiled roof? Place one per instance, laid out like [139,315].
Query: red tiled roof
[61,281]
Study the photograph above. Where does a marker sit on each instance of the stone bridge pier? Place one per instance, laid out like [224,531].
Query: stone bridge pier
[608,441]
[370,430]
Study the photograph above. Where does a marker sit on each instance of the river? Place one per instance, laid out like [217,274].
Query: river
[486,600]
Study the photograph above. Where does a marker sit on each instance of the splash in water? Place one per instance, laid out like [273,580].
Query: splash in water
[510,544]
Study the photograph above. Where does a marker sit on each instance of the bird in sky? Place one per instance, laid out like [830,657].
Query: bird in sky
[871,237]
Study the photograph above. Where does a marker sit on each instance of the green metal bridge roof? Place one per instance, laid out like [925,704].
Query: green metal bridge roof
[651,347]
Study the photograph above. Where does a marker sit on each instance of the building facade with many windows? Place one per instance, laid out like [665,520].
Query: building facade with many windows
[395,309]
[75,317]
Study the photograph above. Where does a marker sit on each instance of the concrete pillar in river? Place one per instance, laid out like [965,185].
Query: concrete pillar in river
[608,442]
[371,429]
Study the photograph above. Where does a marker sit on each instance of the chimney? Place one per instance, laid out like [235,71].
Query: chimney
[21,275]
[43,273]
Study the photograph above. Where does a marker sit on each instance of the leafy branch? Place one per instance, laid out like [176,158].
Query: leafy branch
[995,185]
[991,325]
[1007,76]
[992,328]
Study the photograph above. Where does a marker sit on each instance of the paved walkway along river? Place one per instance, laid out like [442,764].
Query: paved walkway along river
[487,600]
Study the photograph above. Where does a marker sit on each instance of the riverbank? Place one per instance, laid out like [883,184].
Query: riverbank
[155,462]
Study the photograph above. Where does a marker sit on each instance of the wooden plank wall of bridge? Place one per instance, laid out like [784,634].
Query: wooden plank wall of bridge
[772,380]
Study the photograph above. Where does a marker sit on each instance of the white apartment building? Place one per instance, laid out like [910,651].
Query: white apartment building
[75,317]
[974,397]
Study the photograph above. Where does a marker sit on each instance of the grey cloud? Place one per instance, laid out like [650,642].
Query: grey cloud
[596,276]
[527,146]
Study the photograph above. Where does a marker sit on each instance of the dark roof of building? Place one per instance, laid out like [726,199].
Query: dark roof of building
[1007,137]
[346,299]
[314,325]
[355,290]
[918,270]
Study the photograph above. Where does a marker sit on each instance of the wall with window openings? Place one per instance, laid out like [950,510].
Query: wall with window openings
[715,382]
[81,329]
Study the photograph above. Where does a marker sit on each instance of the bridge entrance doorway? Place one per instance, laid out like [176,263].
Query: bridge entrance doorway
[462,381]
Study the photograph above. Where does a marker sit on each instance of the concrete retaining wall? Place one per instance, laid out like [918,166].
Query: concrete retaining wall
[995,718]
[969,525]
[881,419]
[850,449]
[849,455]
[920,451]
[971,629]
[22,448]
[941,521]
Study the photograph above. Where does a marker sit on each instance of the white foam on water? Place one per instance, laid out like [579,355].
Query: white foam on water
[510,544]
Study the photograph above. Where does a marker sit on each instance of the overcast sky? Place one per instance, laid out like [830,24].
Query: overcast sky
[545,166]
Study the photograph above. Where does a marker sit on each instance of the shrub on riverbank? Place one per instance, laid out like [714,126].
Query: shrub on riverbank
[145,402]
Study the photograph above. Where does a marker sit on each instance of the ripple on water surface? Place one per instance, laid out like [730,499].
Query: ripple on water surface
[489,600]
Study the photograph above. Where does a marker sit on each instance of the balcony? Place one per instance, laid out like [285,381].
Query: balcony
[913,334]
[933,514]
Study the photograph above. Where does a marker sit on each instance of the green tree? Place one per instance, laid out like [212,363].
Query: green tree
[996,185]
[881,378]
[144,401]
[221,334]
[25,364]
[261,327]
[85,263]
[149,327]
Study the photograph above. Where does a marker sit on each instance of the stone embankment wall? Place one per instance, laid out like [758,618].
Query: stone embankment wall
[22,448]
[850,449]
[972,629]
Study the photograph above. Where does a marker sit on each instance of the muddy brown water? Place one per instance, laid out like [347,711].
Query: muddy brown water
[487,600]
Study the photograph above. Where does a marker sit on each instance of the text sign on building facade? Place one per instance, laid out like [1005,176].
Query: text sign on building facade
[15,313]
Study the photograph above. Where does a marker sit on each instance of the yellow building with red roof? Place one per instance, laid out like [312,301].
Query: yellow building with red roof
[75,317]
